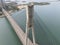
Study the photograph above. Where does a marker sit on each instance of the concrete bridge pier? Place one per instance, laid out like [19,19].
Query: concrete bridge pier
[29,22]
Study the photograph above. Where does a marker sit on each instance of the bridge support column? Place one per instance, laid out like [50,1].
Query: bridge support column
[29,22]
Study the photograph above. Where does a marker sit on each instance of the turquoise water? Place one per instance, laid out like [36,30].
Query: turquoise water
[7,35]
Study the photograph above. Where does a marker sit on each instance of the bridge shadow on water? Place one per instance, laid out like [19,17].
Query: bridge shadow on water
[42,33]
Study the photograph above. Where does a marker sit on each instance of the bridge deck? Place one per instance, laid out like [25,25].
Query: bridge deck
[16,28]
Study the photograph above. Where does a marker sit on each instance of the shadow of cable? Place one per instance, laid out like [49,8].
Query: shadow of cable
[42,33]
